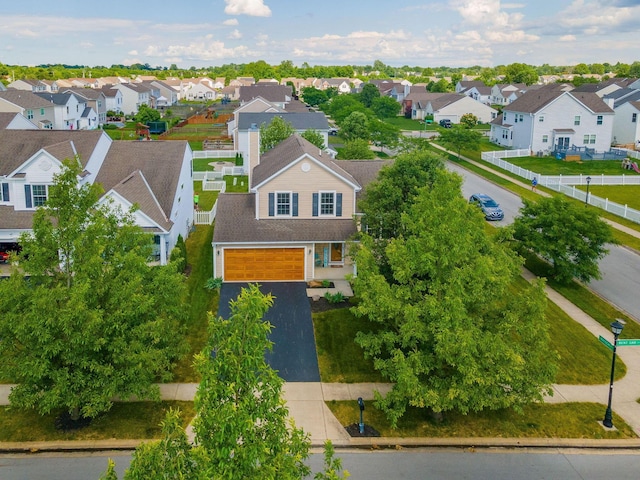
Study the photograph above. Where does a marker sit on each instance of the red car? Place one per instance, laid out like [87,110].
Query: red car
[4,257]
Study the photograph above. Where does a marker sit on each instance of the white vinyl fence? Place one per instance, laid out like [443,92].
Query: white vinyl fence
[567,183]
[205,218]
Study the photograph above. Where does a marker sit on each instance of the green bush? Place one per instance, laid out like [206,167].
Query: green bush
[109,126]
[213,283]
[176,257]
[337,297]
[180,251]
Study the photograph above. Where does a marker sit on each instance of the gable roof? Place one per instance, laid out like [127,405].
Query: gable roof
[7,118]
[287,152]
[159,162]
[59,98]
[299,120]
[272,93]
[24,99]
[534,101]
[20,145]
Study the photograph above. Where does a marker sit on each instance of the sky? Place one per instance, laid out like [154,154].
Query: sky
[431,33]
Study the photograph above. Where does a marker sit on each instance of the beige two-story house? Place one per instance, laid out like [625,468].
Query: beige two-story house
[296,220]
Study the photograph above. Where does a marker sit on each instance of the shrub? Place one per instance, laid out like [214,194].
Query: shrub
[213,283]
[326,283]
[176,256]
[180,250]
[109,126]
[337,297]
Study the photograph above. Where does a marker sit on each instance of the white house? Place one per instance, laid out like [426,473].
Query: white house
[550,119]
[34,108]
[71,112]
[133,95]
[451,106]
[155,176]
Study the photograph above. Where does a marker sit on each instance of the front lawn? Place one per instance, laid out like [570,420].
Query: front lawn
[551,166]
[126,420]
[560,420]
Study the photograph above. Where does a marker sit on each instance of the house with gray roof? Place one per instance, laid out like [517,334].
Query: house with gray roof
[279,95]
[95,98]
[154,176]
[71,111]
[34,108]
[296,220]
[249,122]
[549,119]
[15,121]
[450,106]
[133,95]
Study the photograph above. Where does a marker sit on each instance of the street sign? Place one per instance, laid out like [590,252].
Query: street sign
[606,342]
[628,342]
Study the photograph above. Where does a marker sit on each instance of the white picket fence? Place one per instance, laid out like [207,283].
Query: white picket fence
[567,183]
[216,153]
[205,218]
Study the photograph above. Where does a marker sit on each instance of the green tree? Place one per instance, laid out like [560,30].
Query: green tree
[314,96]
[147,114]
[575,248]
[521,73]
[396,187]
[315,137]
[357,149]
[342,106]
[92,320]
[273,133]
[597,68]
[368,94]
[468,120]
[383,134]
[385,107]
[458,137]
[356,125]
[437,334]
[242,421]
[581,69]
[441,86]
[171,457]
[332,465]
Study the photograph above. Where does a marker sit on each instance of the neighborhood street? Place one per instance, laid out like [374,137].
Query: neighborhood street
[620,284]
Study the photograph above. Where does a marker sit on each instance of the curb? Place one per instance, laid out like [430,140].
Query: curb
[369,443]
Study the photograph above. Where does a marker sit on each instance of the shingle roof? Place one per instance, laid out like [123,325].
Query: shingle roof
[534,101]
[20,220]
[17,146]
[299,120]
[6,118]
[58,98]
[24,99]
[288,151]
[272,93]
[236,223]
[159,162]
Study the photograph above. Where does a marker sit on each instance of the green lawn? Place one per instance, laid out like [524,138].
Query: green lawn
[583,359]
[135,420]
[551,166]
[622,194]
[562,420]
[203,164]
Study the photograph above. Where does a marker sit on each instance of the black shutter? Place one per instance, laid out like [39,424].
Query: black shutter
[5,192]
[294,209]
[338,204]
[315,205]
[27,196]
[272,201]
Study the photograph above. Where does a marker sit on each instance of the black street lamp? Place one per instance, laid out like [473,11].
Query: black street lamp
[616,328]
[586,198]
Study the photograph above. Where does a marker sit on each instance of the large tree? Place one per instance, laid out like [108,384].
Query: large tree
[448,328]
[521,73]
[572,237]
[356,125]
[383,134]
[314,96]
[385,107]
[86,319]
[147,114]
[315,137]
[271,134]
[357,149]
[458,137]
[368,94]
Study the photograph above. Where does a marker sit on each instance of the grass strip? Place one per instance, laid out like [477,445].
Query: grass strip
[125,421]
[558,420]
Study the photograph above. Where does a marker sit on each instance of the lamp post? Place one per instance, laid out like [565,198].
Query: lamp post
[361,424]
[586,198]
[616,328]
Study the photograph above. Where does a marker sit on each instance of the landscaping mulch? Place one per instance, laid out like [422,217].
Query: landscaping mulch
[322,305]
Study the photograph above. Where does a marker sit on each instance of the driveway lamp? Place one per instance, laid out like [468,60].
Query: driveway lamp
[616,328]
[586,197]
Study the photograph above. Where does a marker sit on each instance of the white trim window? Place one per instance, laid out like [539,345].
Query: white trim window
[283,204]
[576,120]
[327,203]
[545,138]
[589,140]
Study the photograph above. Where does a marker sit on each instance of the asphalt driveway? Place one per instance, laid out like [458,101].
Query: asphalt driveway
[294,350]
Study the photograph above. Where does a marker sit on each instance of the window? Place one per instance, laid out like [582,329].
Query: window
[4,192]
[541,118]
[576,120]
[634,117]
[589,139]
[545,138]
[42,112]
[35,195]
[521,118]
[599,120]
[30,114]
[283,203]
[327,202]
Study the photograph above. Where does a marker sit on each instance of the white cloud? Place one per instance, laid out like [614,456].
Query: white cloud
[235,34]
[567,38]
[205,50]
[231,22]
[253,8]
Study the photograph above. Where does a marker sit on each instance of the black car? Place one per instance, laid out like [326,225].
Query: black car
[333,131]
[488,205]
[445,123]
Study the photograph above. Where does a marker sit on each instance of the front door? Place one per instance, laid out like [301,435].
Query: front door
[336,252]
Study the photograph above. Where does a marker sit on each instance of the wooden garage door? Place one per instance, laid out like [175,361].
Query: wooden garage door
[263,264]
